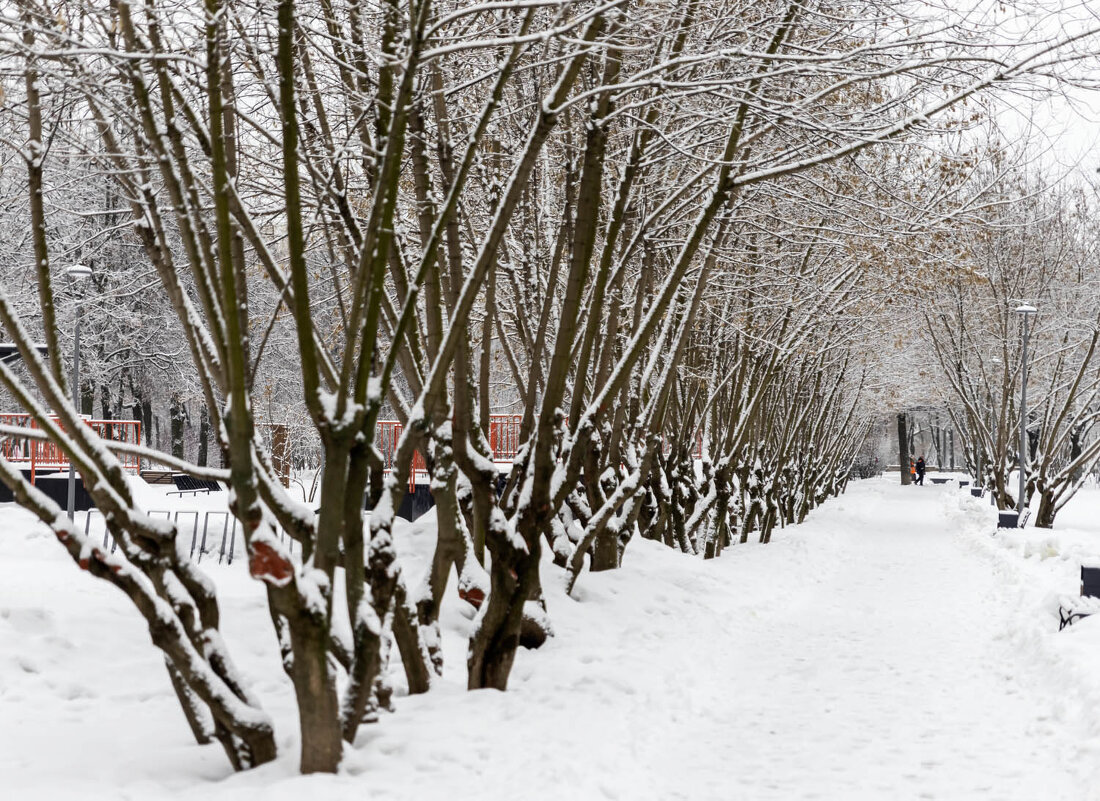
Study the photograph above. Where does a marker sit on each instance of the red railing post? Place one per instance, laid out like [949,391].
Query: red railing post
[34,454]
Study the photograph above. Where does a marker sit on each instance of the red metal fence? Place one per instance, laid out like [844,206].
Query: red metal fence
[503,440]
[43,455]
[504,435]
[389,432]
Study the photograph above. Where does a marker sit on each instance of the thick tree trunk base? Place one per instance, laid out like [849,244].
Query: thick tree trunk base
[493,646]
[318,705]
[605,552]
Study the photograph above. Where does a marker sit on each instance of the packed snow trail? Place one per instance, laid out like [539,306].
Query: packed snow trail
[862,656]
[872,653]
[887,677]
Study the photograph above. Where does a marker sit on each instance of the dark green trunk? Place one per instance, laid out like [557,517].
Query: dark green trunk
[204,437]
[176,419]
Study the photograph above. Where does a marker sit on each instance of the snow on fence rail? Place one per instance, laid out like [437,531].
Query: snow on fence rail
[43,455]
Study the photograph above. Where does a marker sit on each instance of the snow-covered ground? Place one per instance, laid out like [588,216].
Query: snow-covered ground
[890,648]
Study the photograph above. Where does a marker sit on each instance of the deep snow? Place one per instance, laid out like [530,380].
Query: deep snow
[889,648]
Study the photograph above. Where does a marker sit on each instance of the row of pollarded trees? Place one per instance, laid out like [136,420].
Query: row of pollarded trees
[1033,244]
[655,218]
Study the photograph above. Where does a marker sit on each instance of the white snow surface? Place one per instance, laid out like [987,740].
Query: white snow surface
[890,648]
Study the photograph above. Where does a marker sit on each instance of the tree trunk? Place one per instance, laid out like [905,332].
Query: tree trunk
[105,401]
[1044,518]
[450,550]
[1075,437]
[605,552]
[406,635]
[493,646]
[903,448]
[87,398]
[147,419]
[318,706]
[204,437]
[175,414]
[280,453]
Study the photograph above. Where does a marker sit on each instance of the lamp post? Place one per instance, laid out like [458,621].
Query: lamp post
[77,273]
[1024,311]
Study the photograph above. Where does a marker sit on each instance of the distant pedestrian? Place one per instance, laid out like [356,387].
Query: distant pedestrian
[920,470]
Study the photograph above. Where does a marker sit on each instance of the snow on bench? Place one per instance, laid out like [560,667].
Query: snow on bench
[1072,608]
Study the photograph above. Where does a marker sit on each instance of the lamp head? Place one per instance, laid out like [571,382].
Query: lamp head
[78,272]
[1026,309]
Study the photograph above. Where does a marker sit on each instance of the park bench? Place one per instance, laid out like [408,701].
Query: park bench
[1011,519]
[1072,608]
[939,480]
[188,484]
[156,476]
[977,492]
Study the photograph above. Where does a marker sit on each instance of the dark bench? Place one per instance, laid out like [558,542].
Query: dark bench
[1010,519]
[188,484]
[939,480]
[1072,608]
[977,492]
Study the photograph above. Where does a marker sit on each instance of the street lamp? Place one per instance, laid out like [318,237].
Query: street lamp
[78,274]
[1024,311]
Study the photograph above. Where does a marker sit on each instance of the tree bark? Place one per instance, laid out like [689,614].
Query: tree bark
[1044,517]
[175,413]
[204,437]
[903,449]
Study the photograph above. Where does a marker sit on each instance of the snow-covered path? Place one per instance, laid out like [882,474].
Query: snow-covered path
[887,676]
[872,653]
[862,655]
